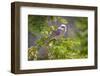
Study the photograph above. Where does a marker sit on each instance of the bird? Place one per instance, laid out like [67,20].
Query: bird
[57,34]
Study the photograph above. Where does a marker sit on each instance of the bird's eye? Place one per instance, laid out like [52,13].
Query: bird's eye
[62,27]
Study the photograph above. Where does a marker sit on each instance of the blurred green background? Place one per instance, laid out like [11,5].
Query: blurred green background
[73,45]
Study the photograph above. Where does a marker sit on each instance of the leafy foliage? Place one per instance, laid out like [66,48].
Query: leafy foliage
[32,53]
[65,47]
[62,20]
[82,26]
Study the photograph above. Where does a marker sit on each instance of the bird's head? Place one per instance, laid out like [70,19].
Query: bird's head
[63,27]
